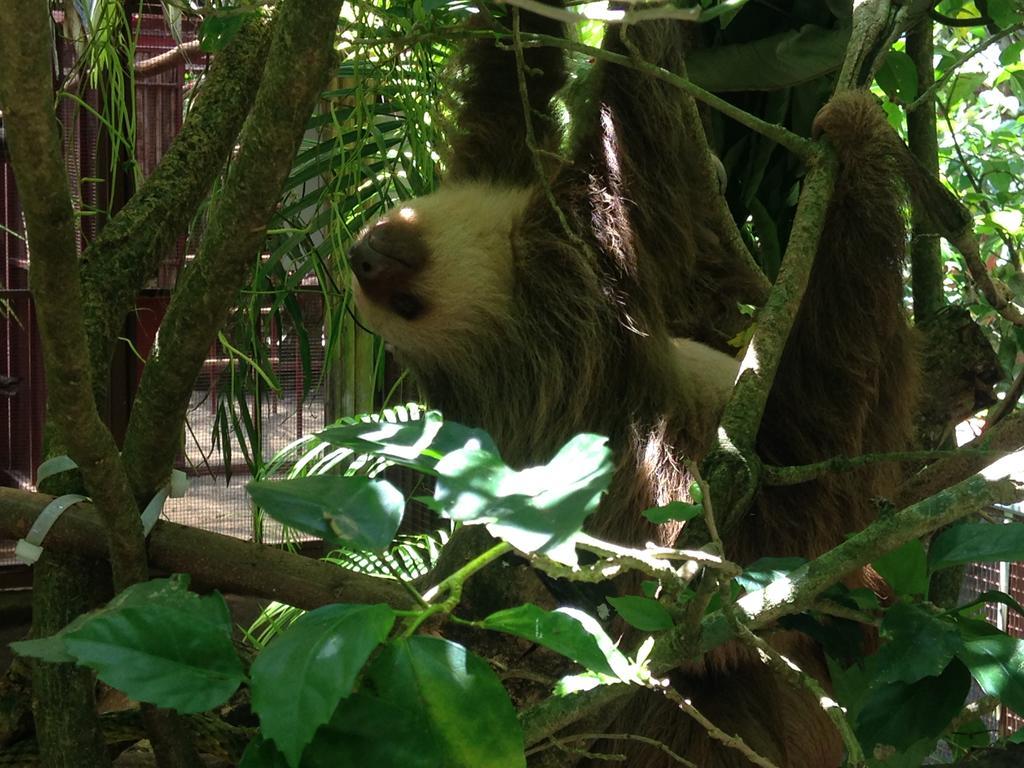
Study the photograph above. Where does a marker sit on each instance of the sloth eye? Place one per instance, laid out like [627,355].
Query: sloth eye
[406,306]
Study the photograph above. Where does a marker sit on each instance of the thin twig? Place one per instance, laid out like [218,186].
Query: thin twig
[531,139]
[716,733]
[967,243]
[963,59]
[806,472]
[798,145]
[607,15]
[832,608]
[561,741]
[1006,405]
[792,674]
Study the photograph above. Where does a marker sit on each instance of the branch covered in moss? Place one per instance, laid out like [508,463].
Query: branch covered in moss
[26,92]
[128,250]
[1003,438]
[214,561]
[997,484]
[300,59]
[730,467]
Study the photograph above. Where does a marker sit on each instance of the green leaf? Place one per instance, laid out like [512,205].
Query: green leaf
[298,680]
[674,510]
[763,572]
[991,596]
[425,702]
[997,662]
[976,543]
[417,443]
[216,31]
[965,84]
[558,630]
[641,612]
[540,509]
[353,511]
[901,714]
[904,569]
[261,753]
[174,651]
[782,60]
[973,734]
[52,648]
[919,645]
[898,77]
[1004,13]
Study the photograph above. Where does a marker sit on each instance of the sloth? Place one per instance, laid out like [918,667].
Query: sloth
[538,300]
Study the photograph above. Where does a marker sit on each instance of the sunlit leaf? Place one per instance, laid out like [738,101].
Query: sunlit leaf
[298,680]
[356,511]
[560,631]
[976,543]
[425,702]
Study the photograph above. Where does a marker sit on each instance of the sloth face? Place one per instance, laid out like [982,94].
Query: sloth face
[432,271]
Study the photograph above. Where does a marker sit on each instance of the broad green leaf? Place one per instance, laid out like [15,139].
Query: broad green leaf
[965,84]
[763,572]
[418,443]
[216,31]
[354,511]
[785,59]
[997,662]
[901,714]
[919,645]
[991,596]
[976,543]
[904,569]
[1011,221]
[425,702]
[557,630]
[643,613]
[540,509]
[52,648]
[898,77]
[298,680]
[973,734]
[1005,13]
[675,510]
[261,753]
[176,652]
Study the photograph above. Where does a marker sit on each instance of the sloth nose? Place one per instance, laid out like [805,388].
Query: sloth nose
[390,250]
[367,263]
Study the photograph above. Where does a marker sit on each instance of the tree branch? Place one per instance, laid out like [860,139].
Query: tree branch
[303,42]
[128,250]
[1000,483]
[26,92]
[730,467]
[214,561]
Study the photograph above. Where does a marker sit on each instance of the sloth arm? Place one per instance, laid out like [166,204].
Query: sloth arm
[708,374]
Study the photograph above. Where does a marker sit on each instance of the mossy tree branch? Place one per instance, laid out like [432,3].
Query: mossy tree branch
[128,250]
[214,561]
[299,61]
[730,468]
[993,485]
[26,92]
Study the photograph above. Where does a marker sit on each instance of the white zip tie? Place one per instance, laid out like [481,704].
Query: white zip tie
[28,549]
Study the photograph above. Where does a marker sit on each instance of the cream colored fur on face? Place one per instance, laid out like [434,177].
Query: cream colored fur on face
[467,280]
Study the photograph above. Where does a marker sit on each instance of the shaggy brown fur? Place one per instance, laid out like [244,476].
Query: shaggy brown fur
[576,333]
